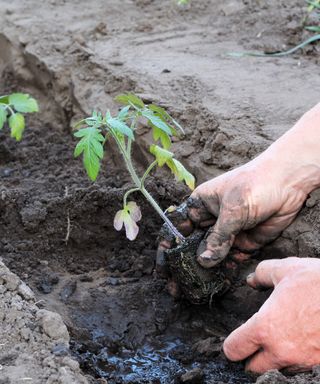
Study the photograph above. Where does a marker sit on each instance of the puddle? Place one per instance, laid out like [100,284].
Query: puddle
[156,362]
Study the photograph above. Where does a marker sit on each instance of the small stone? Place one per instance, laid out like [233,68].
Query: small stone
[72,364]
[7,172]
[2,289]
[112,281]
[195,376]
[26,334]
[53,325]
[116,63]
[68,290]
[25,292]
[47,281]
[60,350]
[316,370]
[208,347]
[12,281]
[44,262]
[49,362]
[79,38]
[101,28]
[272,377]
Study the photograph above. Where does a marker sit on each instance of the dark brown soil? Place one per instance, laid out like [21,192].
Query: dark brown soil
[124,325]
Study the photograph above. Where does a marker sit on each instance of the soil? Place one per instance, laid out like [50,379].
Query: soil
[76,56]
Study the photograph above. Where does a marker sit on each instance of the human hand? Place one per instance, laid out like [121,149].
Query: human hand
[253,204]
[285,332]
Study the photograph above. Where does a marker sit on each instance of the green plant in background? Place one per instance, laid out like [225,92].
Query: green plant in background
[94,131]
[183,2]
[12,108]
[313,6]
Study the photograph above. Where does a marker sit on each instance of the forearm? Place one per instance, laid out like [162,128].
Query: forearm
[295,156]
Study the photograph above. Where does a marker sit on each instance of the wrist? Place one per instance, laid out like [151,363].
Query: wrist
[295,156]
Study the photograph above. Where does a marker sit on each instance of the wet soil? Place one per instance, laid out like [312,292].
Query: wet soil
[73,56]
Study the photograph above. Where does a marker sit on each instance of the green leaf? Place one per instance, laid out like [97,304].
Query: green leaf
[162,155]
[17,125]
[130,98]
[163,136]
[120,126]
[91,145]
[181,173]
[160,111]
[123,114]
[313,5]
[23,103]
[164,115]
[3,116]
[4,99]
[156,121]
[313,28]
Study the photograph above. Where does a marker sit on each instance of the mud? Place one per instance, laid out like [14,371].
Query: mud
[74,56]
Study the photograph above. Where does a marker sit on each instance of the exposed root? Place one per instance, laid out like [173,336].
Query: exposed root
[66,239]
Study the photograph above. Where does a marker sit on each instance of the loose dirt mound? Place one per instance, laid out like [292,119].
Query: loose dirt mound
[34,342]
[74,56]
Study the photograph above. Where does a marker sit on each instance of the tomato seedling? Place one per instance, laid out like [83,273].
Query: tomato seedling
[94,131]
[12,108]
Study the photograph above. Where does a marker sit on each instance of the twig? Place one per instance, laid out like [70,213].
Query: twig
[68,219]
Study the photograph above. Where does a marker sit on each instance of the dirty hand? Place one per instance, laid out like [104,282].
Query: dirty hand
[285,333]
[254,203]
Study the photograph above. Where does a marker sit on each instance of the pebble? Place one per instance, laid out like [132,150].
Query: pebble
[195,376]
[12,281]
[68,290]
[25,292]
[60,350]
[272,377]
[316,370]
[208,347]
[72,364]
[53,325]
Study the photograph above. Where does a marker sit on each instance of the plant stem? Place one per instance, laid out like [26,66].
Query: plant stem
[147,172]
[140,186]
[125,197]
[155,205]
[7,106]
[10,109]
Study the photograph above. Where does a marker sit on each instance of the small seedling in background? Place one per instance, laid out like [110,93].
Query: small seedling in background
[12,108]
[183,2]
[313,6]
[95,130]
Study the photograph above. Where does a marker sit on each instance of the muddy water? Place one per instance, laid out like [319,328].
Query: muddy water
[155,362]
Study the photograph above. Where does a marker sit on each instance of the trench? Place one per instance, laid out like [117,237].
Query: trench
[124,325]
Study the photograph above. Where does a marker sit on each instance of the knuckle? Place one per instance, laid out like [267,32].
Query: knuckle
[229,348]
[262,330]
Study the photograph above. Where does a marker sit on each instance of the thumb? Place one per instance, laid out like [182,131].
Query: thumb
[270,272]
[221,237]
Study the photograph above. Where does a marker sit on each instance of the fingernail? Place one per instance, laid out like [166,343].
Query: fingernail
[250,278]
[207,259]
[210,255]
